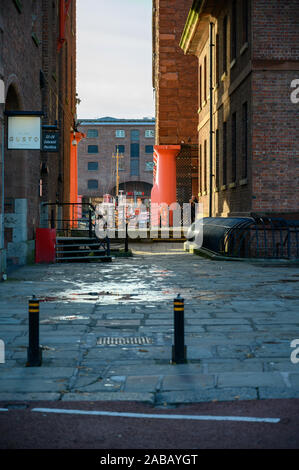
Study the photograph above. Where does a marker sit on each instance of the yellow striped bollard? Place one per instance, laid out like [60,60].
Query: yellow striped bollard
[34,352]
[179,350]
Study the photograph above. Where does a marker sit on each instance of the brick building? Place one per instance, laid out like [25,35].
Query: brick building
[37,70]
[176,93]
[253,120]
[134,140]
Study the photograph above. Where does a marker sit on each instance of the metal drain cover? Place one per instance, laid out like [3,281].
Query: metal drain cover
[109,340]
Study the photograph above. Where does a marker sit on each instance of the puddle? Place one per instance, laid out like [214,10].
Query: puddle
[65,318]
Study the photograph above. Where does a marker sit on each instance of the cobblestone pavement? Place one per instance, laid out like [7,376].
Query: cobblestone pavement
[240,319]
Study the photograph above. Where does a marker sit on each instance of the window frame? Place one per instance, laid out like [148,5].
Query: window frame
[92,136]
[122,132]
[92,153]
[152,133]
[93,169]
[94,180]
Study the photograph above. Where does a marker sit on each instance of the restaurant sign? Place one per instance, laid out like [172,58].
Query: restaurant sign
[24,132]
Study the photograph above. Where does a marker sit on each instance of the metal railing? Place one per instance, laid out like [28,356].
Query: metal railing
[73,225]
[263,237]
[77,226]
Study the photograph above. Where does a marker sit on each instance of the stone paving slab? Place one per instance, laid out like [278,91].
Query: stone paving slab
[143,397]
[272,392]
[28,396]
[31,373]
[142,383]
[228,394]
[250,379]
[29,385]
[240,319]
[188,382]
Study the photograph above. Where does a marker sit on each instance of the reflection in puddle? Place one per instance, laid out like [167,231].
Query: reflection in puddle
[65,318]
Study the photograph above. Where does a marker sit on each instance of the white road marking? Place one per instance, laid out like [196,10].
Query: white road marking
[159,416]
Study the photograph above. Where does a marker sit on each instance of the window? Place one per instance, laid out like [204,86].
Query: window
[200,169]
[135,167]
[135,150]
[149,166]
[234,31]
[224,154]
[149,149]
[234,147]
[200,87]
[149,133]
[120,133]
[92,184]
[135,135]
[93,149]
[244,140]
[217,60]
[245,21]
[92,133]
[224,45]
[205,78]
[121,149]
[217,159]
[18,5]
[93,166]
[205,169]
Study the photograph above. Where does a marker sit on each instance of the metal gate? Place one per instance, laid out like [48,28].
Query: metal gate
[185,161]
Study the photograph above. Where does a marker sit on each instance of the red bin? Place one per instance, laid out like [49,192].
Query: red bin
[45,244]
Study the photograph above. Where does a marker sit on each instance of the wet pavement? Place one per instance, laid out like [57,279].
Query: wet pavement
[106,331]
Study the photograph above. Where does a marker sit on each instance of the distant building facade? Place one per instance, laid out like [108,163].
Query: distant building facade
[38,74]
[254,122]
[133,139]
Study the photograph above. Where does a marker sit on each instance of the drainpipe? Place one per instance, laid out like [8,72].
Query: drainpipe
[2,197]
[2,102]
[211,121]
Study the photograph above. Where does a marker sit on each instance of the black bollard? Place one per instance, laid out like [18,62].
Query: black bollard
[126,239]
[34,352]
[179,350]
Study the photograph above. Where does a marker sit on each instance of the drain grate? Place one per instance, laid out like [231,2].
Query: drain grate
[109,340]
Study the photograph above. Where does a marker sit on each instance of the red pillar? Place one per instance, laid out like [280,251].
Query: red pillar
[75,138]
[164,189]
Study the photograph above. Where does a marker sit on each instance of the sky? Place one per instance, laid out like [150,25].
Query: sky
[114,59]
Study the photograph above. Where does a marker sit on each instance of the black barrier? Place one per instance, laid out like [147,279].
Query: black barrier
[179,350]
[34,351]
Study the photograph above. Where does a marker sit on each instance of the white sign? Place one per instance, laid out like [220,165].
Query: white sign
[2,352]
[2,92]
[24,132]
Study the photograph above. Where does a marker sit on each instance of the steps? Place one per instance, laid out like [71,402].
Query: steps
[81,250]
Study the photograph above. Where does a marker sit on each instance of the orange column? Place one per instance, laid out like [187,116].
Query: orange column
[164,189]
[74,137]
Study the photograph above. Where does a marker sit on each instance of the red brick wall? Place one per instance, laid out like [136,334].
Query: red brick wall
[275,147]
[275,152]
[174,78]
[275,29]
[21,61]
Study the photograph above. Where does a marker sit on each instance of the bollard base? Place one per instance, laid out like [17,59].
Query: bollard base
[34,359]
[179,358]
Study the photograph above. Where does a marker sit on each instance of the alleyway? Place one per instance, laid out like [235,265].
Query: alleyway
[239,322]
